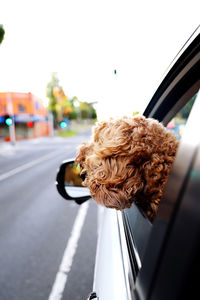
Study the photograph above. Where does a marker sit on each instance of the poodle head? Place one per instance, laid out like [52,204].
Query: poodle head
[128,160]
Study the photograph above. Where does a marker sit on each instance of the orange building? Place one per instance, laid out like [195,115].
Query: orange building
[29,115]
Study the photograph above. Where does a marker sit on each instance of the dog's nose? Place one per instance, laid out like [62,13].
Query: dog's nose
[83,176]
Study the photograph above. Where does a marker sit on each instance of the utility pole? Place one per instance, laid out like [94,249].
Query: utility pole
[10,113]
[50,121]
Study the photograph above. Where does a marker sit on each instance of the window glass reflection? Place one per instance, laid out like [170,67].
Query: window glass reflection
[177,124]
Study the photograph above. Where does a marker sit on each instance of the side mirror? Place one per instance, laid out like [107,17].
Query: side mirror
[69,182]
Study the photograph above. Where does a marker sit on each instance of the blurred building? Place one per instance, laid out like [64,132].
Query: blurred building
[28,113]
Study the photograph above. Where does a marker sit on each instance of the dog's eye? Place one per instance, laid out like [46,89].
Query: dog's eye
[83,176]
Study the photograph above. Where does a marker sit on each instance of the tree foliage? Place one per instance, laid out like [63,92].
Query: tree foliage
[59,103]
[2,33]
[64,108]
[82,109]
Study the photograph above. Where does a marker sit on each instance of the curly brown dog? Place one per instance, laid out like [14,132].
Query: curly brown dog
[128,160]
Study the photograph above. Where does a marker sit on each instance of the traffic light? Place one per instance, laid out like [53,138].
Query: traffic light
[8,120]
[29,124]
[63,124]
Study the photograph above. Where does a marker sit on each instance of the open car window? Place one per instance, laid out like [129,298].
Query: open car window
[137,225]
[171,105]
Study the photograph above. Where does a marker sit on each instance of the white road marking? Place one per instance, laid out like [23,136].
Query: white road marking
[28,165]
[67,260]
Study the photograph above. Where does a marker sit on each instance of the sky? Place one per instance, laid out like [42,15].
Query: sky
[84,41]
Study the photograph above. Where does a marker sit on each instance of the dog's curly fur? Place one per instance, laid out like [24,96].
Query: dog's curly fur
[128,160]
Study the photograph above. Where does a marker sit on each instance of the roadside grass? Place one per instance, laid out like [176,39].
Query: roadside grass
[67,133]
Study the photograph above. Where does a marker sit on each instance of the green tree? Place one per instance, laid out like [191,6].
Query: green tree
[75,112]
[52,100]
[82,110]
[2,33]
[87,110]
[59,103]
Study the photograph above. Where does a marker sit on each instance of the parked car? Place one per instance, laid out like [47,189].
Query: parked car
[137,259]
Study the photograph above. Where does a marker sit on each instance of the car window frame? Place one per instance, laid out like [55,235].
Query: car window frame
[176,89]
[152,275]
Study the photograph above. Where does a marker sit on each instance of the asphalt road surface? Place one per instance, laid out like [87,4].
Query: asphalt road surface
[38,227]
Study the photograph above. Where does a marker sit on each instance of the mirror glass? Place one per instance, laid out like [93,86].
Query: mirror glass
[73,181]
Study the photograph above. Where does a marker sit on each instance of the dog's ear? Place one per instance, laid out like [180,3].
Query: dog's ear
[111,197]
[119,188]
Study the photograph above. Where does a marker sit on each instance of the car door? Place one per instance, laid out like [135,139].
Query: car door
[145,260]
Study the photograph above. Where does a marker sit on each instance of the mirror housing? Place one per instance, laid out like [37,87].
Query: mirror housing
[69,183]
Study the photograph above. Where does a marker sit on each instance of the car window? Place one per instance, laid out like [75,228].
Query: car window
[178,123]
[137,226]
[171,104]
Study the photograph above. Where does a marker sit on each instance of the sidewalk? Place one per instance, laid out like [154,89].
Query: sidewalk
[78,127]
[8,145]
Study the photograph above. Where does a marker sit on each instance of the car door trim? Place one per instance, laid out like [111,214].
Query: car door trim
[186,63]
[128,272]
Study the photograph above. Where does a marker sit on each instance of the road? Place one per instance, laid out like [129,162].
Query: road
[36,224]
